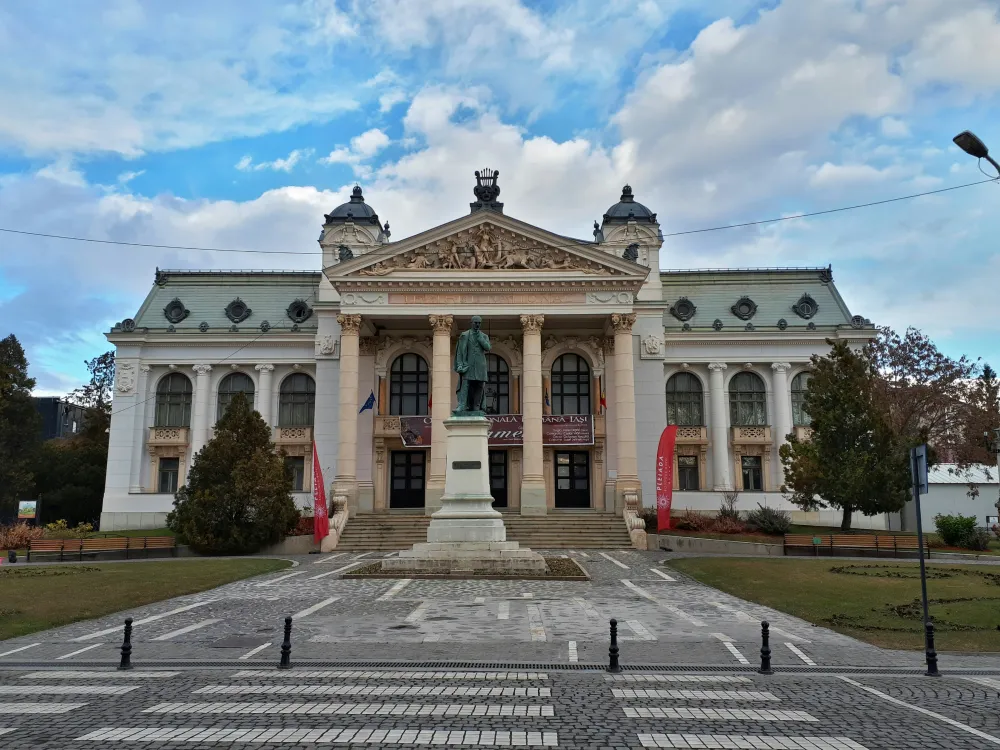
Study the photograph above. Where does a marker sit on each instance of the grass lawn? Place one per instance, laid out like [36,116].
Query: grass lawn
[38,598]
[877,601]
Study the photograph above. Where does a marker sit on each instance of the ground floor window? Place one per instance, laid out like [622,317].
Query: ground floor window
[572,479]
[753,475]
[296,468]
[169,470]
[406,488]
[687,473]
[498,478]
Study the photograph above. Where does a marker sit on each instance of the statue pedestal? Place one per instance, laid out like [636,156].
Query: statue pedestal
[467,534]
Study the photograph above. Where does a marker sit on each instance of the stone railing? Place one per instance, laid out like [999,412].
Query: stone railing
[752,435]
[803,433]
[635,525]
[692,435]
[292,435]
[168,436]
[338,520]
[386,427]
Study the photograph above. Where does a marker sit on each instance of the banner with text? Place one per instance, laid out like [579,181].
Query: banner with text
[665,477]
[508,429]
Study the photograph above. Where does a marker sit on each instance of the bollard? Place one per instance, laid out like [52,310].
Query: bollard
[286,646]
[931,654]
[11,556]
[613,666]
[765,649]
[126,662]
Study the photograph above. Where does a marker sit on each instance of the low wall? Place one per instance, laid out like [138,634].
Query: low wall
[718,546]
[293,545]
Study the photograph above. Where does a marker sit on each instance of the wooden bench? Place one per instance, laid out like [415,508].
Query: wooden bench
[909,544]
[890,543]
[807,541]
[93,545]
[862,542]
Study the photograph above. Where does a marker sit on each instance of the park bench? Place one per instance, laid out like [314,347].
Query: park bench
[807,541]
[909,544]
[863,543]
[94,545]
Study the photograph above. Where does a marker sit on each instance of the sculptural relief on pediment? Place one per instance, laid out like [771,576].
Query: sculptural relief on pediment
[486,247]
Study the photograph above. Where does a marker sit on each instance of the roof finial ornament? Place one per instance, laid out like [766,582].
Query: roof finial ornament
[487,191]
[627,194]
[356,195]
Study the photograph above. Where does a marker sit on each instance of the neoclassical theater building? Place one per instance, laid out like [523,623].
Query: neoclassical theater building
[595,350]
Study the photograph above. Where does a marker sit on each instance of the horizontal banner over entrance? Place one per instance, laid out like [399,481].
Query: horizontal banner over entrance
[508,429]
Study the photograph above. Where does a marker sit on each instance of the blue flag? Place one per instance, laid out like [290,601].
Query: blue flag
[369,403]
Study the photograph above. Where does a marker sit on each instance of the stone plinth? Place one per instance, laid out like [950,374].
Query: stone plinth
[467,534]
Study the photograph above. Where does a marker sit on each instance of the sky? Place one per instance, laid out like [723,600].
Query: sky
[238,124]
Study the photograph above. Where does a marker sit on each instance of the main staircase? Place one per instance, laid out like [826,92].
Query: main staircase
[391,531]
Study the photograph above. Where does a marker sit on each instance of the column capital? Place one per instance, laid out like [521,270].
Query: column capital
[718,366]
[202,369]
[622,322]
[264,368]
[781,366]
[441,323]
[145,368]
[532,323]
[349,324]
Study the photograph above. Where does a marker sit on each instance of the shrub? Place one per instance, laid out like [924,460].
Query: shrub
[304,527]
[977,539]
[17,536]
[238,497]
[728,508]
[692,521]
[649,517]
[727,525]
[954,529]
[61,530]
[769,520]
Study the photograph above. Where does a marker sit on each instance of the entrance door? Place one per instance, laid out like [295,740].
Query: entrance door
[498,478]
[407,489]
[572,479]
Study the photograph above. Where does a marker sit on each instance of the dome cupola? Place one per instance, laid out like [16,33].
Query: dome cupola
[628,209]
[355,210]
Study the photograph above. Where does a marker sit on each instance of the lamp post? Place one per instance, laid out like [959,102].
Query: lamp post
[969,142]
[993,442]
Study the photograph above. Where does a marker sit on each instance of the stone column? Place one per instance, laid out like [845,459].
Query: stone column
[141,428]
[532,477]
[264,396]
[719,432]
[628,470]
[202,408]
[440,409]
[346,481]
[782,410]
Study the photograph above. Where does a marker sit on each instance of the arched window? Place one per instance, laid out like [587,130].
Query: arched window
[800,385]
[684,401]
[297,401]
[747,400]
[235,382]
[173,401]
[408,386]
[498,386]
[570,385]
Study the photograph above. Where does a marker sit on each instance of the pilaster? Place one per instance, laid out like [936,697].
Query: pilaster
[627,481]
[346,482]
[440,409]
[782,411]
[202,407]
[532,478]
[720,431]
[266,396]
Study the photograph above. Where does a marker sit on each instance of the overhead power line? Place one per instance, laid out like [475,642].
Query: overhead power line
[375,255]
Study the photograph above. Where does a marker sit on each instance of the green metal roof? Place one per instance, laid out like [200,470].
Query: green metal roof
[774,292]
[206,294]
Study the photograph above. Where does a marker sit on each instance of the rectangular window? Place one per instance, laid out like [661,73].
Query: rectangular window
[296,467]
[753,476]
[687,473]
[169,471]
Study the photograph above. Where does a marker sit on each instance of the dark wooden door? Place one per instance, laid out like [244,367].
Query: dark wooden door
[406,489]
[498,478]
[572,479]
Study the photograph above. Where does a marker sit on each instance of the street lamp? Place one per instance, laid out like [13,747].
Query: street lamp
[993,441]
[969,142]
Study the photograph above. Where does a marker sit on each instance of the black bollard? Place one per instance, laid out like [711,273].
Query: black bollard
[286,646]
[11,556]
[932,669]
[765,649]
[126,662]
[613,665]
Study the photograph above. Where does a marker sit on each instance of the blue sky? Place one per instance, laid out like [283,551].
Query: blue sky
[238,124]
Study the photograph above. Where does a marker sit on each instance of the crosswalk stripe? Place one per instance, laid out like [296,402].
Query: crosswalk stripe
[144,620]
[748,741]
[695,695]
[78,651]
[735,652]
[418,614]
[535,625]
[744,617]
[396,588]
[674,678]
[280,578]
[717,714]
[448,737]
[377,690]
[641,633]
[503,611]
[23,648]
[334,572]
[5,730]
[391,675]
[329,558]
[253,651]
[188,629]
[663,575]
[76,674]
[985,682]
[66,689]
[572,651]
[39,708]
[609,558]
[669,607]
[798,652]
[587,607]
[315,608]
[354,709]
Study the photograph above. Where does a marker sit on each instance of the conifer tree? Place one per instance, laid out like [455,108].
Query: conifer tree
[237,498]
[852,461]
[20,426]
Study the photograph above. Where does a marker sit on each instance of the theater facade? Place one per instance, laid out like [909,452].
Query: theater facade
[595,351]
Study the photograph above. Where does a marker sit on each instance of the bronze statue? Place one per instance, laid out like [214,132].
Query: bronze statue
[470,364]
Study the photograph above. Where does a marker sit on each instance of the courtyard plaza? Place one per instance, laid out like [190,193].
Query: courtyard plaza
[481,663]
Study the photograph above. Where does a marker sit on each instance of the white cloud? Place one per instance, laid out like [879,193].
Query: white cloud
[893,127]
[390,99]
[962,47]
[245,164]
[838,175]
[362,148]
[126,177]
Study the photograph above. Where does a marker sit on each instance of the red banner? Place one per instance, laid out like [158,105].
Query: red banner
[508,429]
[321,517]
[665,477]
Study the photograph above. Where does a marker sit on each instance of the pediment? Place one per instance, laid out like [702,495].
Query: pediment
[487,244]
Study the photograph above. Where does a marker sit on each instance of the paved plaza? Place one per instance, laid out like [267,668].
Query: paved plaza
[401,662]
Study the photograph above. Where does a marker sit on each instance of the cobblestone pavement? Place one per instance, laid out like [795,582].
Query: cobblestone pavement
[230,637]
